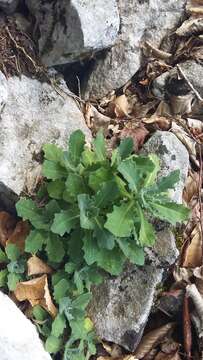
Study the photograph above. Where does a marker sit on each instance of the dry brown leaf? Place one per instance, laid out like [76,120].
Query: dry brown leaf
[162,122]
[126,357]
[94,119]
[151,340]
[162,356]
[195,7]
[36,291]
[7,226]
[169,346]
[191,188]
[193,254]
[190,27]
[33,179]
[150,50]
[121,106]
[181,134]
[36,266]
[114,350]
[138,134]
[151,355]
[19,234]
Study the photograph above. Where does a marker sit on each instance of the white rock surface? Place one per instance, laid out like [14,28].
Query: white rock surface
[120,306]
[140,20]
[173,155]
[9,6]
[32,113]
[69,30]
[19,339]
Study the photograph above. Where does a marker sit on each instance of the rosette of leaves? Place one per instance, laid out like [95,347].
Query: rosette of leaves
[90,217]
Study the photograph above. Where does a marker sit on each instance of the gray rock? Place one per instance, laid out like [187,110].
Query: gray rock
[140,20]
[19,339]
[173,156]
[32,114]
[121,306]
[9,6]
[70,30]
[164,253]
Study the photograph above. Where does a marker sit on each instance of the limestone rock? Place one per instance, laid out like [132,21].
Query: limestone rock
[164,253]
[173,156]
[121,306]
[32,113]
[70,30]
[19,339]
[140,20]
[9,6]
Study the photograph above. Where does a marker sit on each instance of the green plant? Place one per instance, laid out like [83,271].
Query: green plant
[90,217]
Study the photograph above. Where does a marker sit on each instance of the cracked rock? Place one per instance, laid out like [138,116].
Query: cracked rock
[69,30]
[124,59]
[32,114]
[121,305]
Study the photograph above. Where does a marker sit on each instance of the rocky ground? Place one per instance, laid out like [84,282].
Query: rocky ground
[133,68]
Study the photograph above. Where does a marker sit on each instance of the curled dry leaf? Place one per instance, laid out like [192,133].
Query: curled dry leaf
[162,122]
[19,234]
[36,266]
[162,356]
[181,134]
[150,50]
[197,299]
[190,27]
[124,357]
[114,350]
[33,179]
[151,355]
[7,225]
[138,134]
[96,120]
[169,346]
[191,188]
[195,7]
[121,106]
[36,291]
[193,253]
[151,340]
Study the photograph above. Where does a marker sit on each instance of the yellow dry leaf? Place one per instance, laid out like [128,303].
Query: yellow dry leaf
[193,254]
[163,122]
[36,266]
[191,187]
[19,235]
[121,106]
[36,291]
[114,350]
